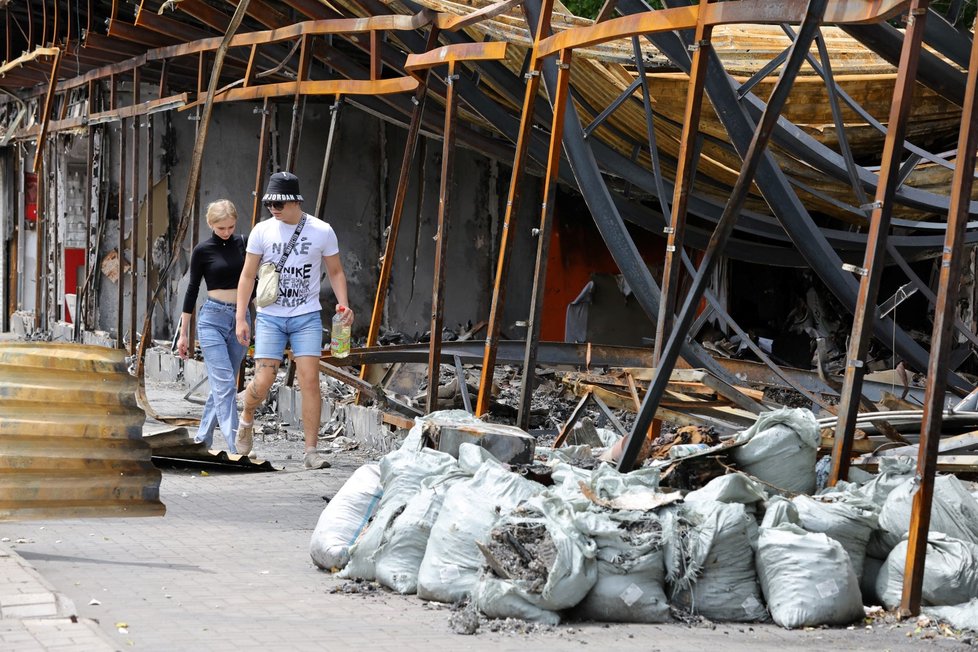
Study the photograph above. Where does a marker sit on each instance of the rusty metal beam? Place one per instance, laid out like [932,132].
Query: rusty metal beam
[508,352]
[121,281]
[400,195]
[452,55]
[759,141]
[262,154]
[441,238]
[316,87]
[313,9]
[46,112]
[134,210]
[167,26]
[129,32]
[334,119]
[685,170]
[482,51]
[756,12]
[205,13]
[871,272]
[561,98]
[520,160]
[941,340]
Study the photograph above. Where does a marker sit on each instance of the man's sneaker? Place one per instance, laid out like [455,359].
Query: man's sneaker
[313,460]
[245,439]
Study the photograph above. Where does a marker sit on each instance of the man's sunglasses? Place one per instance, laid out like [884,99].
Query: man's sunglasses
[276,205]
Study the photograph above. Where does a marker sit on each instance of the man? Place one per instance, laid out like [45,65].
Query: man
[294,318]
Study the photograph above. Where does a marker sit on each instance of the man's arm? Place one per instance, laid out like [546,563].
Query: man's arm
[337,280]
[246,284]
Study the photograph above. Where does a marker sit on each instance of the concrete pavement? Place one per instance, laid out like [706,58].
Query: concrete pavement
[228,568]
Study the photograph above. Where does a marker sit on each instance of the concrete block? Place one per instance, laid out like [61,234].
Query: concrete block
[62,332]
[171,366]
[98,338]
[289,406]
[366,425]
[508,444]
[22,323]
[584,433]
[193,372]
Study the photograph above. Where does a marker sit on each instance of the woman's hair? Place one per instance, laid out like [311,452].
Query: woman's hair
[220,210]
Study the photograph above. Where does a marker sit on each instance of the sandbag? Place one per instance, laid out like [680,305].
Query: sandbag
[778,510]
[538,558]
[950,572]
[399,555]
[450,568]
[631,576]
[893,471]
[730,488]
[953,511]
[401,473]
[806,578]
[709,557]
[781,449]
[345,517]
[848,519]
[960,616]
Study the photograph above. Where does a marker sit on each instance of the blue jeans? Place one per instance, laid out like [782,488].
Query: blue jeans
[222,357]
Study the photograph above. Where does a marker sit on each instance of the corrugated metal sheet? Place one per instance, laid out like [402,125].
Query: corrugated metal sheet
[71,435]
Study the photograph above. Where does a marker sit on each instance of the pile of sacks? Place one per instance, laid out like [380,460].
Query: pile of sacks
[605,546]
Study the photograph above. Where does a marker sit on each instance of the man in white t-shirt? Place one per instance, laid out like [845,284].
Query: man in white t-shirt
[294,318]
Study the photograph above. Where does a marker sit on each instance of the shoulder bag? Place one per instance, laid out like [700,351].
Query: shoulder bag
[268,273]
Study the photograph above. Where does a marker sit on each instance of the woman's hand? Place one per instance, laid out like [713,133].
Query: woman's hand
[182,346]
[243,331]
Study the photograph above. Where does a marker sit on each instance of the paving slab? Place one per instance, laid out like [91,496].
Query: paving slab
[228,568]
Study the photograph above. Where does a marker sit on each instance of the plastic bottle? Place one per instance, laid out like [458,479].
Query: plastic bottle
[339,346]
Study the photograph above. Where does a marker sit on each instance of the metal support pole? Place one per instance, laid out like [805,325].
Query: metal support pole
[512,209]
[941,340]
[262,154]
[334,120]
[441,238]
[686,165]
[755,151]
[560,102]
[872,269]
[39,227]
[134,233]
[148,249]
[121,279]
[400,195]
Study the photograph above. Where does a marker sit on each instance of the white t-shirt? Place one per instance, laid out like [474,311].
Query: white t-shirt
[299,281]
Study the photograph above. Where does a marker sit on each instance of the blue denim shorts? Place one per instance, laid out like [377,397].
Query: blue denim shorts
[304,333]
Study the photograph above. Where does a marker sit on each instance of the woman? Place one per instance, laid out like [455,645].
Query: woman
[218,260]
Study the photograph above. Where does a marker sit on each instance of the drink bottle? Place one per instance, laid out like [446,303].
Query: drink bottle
[339,346]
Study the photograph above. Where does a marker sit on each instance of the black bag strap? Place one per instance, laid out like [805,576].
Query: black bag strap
[291,245]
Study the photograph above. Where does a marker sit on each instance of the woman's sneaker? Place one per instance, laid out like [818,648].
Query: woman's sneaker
[245,439]
[313,460]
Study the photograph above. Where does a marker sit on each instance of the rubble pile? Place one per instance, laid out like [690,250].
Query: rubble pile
[569,537]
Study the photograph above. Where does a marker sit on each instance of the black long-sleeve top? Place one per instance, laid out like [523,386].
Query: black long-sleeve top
[219,262]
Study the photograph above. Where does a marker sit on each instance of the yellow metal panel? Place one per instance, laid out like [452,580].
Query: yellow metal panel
[71,435]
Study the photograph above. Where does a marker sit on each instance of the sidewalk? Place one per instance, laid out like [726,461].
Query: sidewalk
[227,568]
[33,616]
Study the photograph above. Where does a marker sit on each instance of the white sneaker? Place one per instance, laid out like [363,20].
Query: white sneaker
[313,460]
[245,438]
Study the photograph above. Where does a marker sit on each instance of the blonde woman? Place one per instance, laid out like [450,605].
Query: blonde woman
[218,260]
